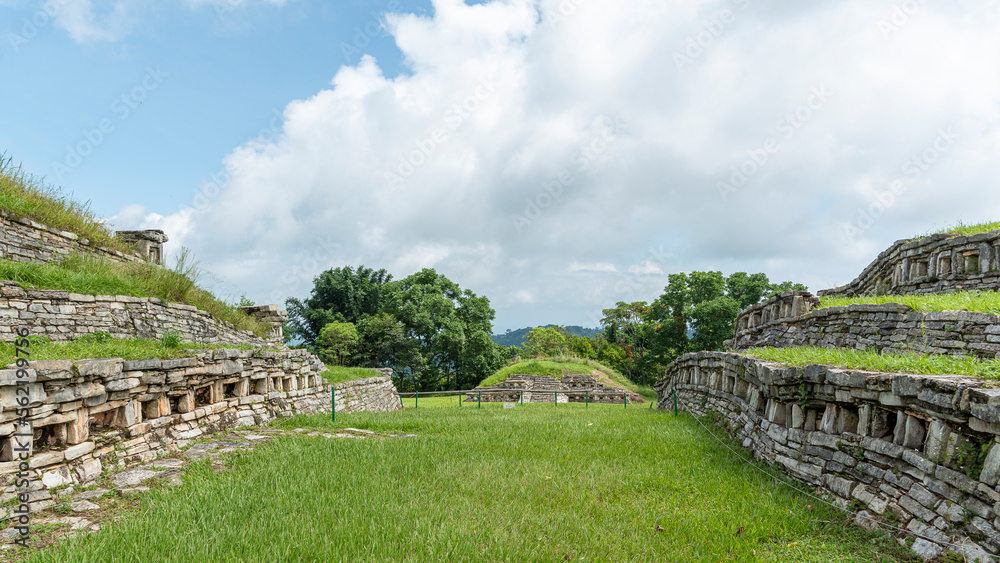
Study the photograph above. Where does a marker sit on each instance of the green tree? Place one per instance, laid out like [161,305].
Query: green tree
[340,294]
[451,328]
[625,326]
[337,343]
[547,341]
[697,311]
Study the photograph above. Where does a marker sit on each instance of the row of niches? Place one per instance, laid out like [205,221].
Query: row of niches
[971,262]
[950,444]
[53,428]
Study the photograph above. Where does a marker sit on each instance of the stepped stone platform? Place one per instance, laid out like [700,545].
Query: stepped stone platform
[573,388]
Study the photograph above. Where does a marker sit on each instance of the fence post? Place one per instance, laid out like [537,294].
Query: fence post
[333,402]
[625,399]
[675,402]
[416,400]
[522,396]
[555,398]
[480,399]
[459,400]
[586,398]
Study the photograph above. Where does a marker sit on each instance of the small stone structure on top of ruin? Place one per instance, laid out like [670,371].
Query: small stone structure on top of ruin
[149,244]
[572,388]
[920,453]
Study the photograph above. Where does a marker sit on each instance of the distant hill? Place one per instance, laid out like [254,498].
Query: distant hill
[516,337]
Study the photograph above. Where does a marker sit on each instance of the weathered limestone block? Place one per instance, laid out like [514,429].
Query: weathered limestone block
[9,396]
[78,430]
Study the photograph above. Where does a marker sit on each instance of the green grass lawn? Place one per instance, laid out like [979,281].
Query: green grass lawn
[978,301]
[558,366]
[533,483]
[911,362]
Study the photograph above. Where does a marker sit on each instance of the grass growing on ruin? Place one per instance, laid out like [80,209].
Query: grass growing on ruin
[978,301]
[961,229]
[92,275]
[101,345]
[27,196]
[340,374]
[924,364]
[534,483]
[558,366]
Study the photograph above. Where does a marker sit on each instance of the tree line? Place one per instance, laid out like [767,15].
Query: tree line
[435,335]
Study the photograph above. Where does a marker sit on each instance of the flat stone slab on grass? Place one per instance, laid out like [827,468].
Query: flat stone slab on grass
[83,506]
[89,495]
[132,477]
[165,463]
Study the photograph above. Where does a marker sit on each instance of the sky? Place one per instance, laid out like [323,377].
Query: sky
[556,156]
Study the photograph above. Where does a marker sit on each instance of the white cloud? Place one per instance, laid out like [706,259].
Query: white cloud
[77,17]
[524,296]
[596,267]
[647,267]
[535,144]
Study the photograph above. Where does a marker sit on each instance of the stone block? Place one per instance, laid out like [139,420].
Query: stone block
[913,436]
[990,474]
[100,368]
[937,437]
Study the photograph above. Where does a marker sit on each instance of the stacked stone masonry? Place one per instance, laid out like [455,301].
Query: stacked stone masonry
[90,416]
[572,388]
[61,316]
[935,264]
[919,450]
[791,319]
[24,240]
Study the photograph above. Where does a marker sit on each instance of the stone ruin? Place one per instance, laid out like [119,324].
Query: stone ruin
[573,388]
[919,453]
[149,244]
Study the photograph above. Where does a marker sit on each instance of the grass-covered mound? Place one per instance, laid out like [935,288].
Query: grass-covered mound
[26,196]
[102,345]
[558,366]
[534,483]
[93,275]
[978,301]
[889,362]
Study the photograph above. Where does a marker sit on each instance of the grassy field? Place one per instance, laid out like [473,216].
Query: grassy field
[556,367]
[927,364]
[26,196]
[92,275]
[100,345]
[534,483]
[978,301]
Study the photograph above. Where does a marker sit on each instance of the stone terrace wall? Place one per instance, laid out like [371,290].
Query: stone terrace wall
[99,415]
[61,316]
[374,394]
[907,445]
[935,264]
[879,327]
[24,240]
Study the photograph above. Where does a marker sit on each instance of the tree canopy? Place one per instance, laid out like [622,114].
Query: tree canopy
[432,333]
